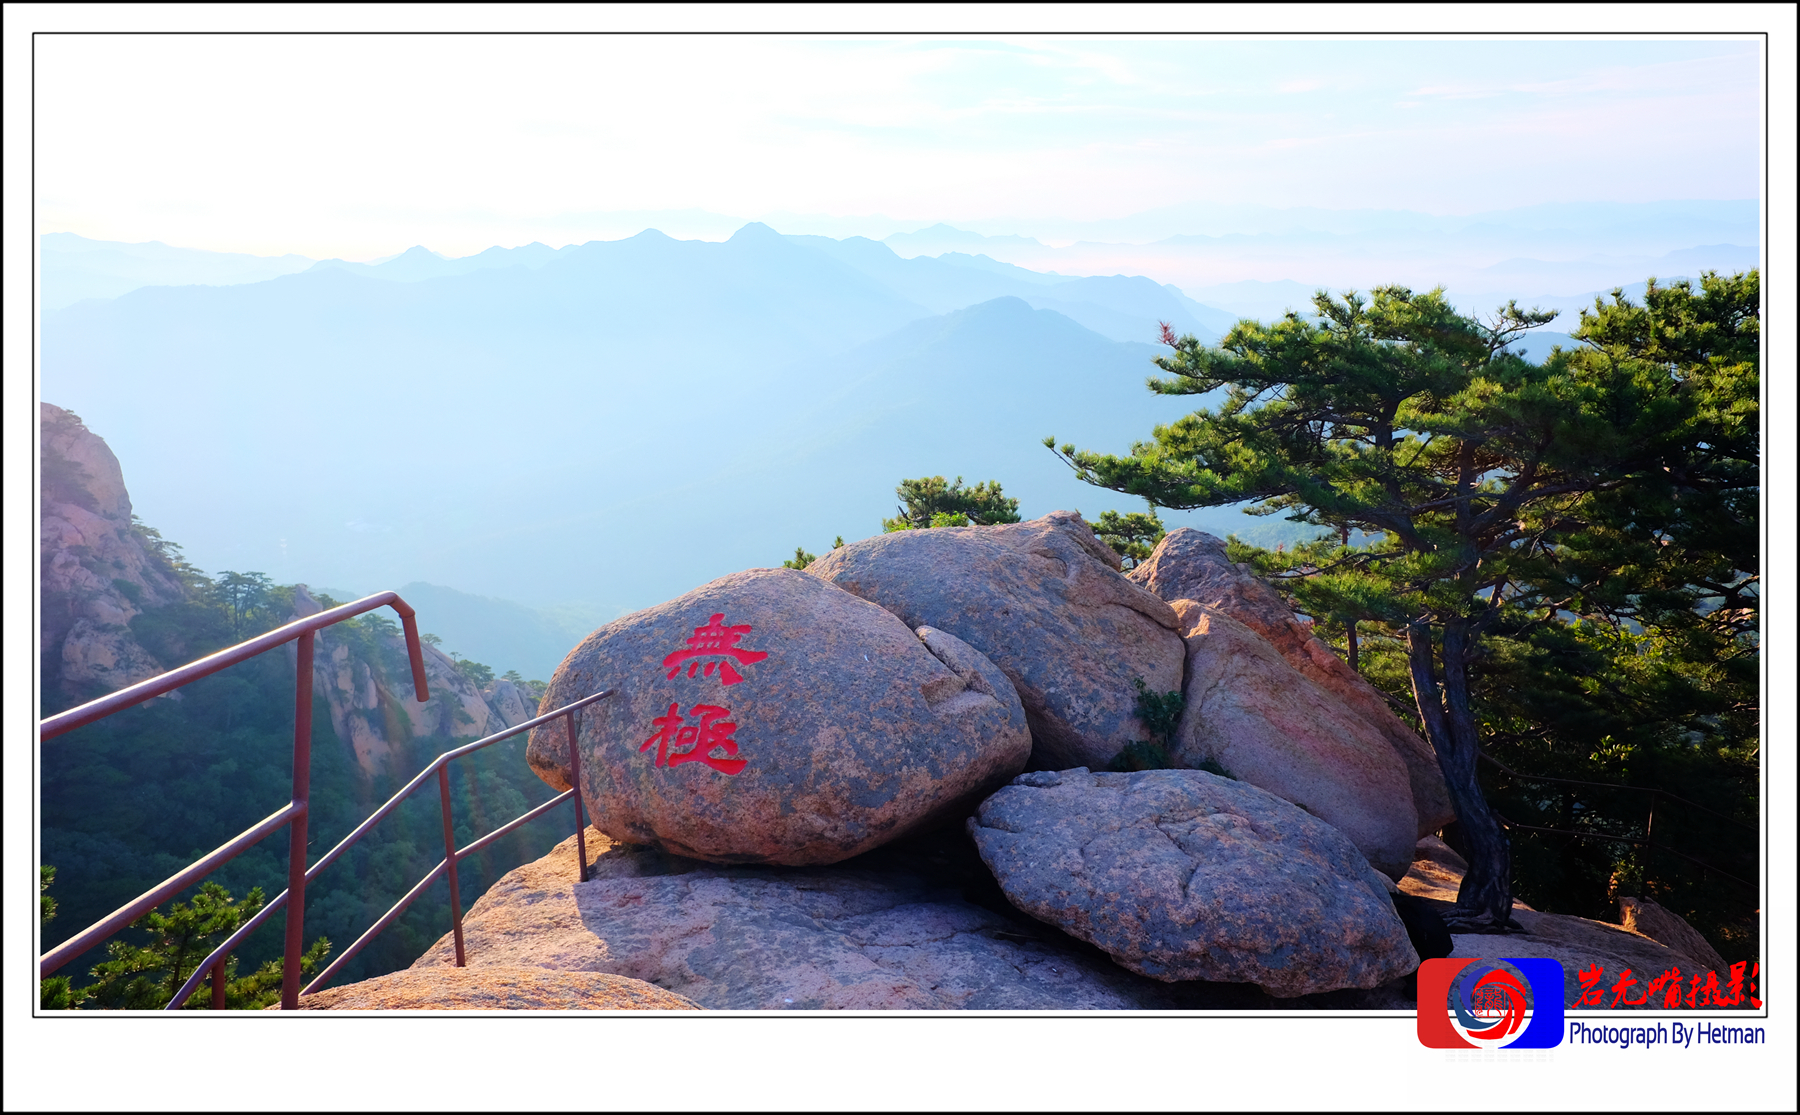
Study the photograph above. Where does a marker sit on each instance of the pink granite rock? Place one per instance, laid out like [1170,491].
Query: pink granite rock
[1659,923]
[497,987]
[1607,954]
[1180,874]
[1263,722]
[899,934]
[770,717]
[1191,565]
[1045,601]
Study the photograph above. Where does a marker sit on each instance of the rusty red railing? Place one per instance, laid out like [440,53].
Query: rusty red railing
[294,815]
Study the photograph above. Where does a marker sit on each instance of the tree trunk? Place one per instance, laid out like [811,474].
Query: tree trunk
[1486,894]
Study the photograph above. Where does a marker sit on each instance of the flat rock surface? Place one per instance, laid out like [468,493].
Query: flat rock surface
[496,987]
[915,925]
[1262,721]
[770,717]
[1180,874]
[1192,565]
[1045,601]
[1577,943]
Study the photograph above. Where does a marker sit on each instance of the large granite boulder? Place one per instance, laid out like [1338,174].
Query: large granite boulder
[496,987]
[1260,720]
[769,717]
[917,924]
[1045,601]
[1192,565]
[1181,874]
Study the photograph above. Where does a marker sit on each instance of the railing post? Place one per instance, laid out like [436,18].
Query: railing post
[218,984]
[296,906]
[450,860]
[580,813]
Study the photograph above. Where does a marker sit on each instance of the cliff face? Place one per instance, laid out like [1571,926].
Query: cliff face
[100,571]
[97,570]
[374,709]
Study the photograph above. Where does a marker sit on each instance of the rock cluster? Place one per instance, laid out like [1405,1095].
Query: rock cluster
[775,733]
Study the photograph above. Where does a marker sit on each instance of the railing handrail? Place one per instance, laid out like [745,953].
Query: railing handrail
[69,720]
[294,815]
[225,949]
[162,892]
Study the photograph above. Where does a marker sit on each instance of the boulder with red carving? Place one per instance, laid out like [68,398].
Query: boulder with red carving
[770,717]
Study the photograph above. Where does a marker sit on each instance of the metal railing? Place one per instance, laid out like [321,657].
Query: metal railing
[293,816]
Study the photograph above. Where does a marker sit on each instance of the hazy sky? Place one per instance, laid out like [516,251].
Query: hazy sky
[362,146]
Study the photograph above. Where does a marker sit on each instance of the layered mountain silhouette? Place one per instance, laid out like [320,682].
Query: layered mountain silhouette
[613,422]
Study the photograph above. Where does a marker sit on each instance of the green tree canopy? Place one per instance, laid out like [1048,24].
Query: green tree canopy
[1483,493]
[932,501]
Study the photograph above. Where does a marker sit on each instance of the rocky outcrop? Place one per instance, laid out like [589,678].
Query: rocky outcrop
[374,708]
[510,704]
[1580,945]
[98,570]
[1192,565]
[770,717]
[1045,601]
[496,987]
[916,925]
[1645,916]
[1180,874]
[1256,717]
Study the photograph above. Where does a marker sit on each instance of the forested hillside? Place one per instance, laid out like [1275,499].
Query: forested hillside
[131,799]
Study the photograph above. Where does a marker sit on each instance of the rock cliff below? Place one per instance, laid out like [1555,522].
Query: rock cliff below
[99,568]
[118,605]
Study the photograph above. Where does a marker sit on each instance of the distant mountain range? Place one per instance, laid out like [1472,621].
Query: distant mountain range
[615,422]
[74,268]
[610,423]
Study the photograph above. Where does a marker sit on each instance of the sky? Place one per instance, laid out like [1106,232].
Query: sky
[361,146]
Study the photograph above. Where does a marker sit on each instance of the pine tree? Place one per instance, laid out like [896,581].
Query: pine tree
[146,977]
[1463,491]
[931,501]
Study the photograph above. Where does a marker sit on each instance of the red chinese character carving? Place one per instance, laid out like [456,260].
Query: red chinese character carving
[1591,991]
[1670,979]
[713,731]
[1619,989]
[1755,1003]
[715,640]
